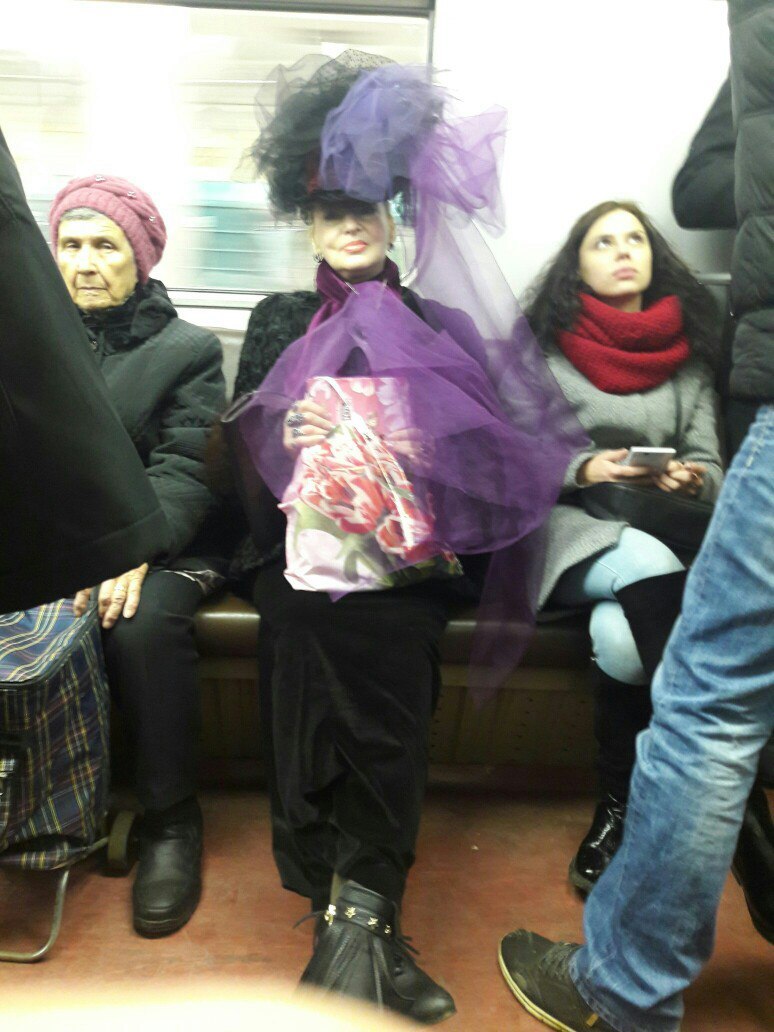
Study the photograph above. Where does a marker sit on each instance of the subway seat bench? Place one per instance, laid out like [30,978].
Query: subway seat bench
[541,718]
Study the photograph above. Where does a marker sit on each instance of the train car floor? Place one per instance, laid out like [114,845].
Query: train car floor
[492,857]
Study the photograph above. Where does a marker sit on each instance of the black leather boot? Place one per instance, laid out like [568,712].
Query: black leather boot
[753,864]
[600,844]
[621,711]
[168,882]
[361,954]
[651,607]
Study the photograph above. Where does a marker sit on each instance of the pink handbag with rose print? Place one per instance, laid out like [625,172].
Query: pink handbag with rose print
[354,520]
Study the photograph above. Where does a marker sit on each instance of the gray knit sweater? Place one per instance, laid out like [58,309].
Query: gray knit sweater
[680,414]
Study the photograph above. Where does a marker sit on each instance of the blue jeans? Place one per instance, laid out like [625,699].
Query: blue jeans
[649,926]
[634,557]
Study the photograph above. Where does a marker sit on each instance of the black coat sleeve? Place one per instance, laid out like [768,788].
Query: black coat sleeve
[176,464]
[275,322]
[703,189]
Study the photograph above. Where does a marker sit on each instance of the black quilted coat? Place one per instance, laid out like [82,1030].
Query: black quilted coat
[752,270]
[727,180]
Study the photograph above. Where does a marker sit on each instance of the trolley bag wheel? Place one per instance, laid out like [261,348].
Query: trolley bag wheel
[121,842]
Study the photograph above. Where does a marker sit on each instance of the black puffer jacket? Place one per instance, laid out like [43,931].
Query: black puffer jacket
[752,270]
[728,179]
[165,378]
[703,190]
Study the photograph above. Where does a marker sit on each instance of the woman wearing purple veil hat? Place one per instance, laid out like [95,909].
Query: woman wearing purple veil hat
[413,448]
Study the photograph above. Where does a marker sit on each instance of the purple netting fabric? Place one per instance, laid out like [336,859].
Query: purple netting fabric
[490,474]
[484,467]
[394,127]
[497,431]
[389,133]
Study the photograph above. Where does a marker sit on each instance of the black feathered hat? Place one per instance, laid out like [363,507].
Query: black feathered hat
[291,111]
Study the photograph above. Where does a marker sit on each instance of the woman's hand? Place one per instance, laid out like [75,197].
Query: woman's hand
[305,424]
[605,467]
[414,445]
[685,477]
[117,597]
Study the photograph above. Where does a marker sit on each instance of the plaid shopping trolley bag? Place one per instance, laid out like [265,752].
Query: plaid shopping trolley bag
[54,746]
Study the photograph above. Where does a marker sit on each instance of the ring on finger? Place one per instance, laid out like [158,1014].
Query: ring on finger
[297,432]
[295,419]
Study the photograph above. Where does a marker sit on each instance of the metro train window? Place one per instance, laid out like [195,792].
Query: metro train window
[163,94]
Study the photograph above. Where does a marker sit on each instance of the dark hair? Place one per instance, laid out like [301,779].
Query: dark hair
[292,112]
[553,300]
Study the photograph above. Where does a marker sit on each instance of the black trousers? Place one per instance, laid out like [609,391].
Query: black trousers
[151,664]
[347,692]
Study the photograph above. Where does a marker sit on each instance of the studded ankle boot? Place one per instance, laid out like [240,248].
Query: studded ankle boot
[361,954]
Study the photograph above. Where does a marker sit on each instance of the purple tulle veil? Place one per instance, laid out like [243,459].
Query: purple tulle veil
[478,388]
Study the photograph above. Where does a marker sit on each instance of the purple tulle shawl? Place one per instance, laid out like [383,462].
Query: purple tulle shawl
[501,433]
[484,467]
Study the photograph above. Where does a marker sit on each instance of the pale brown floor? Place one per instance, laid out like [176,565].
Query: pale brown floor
[492,857]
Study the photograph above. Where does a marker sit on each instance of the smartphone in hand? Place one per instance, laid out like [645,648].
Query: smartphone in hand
[655,458]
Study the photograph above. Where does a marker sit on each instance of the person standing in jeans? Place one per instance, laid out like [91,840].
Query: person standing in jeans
[703,198]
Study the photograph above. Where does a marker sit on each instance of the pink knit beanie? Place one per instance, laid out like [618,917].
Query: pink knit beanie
[123,202]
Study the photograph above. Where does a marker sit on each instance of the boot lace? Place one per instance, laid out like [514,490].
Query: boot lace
[309,916]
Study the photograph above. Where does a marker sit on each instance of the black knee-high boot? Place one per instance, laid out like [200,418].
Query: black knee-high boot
[651,607]
[621,711]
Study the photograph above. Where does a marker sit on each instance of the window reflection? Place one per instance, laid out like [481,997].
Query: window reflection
[164,96]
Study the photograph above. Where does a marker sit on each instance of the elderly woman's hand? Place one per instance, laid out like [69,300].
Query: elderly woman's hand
[605,467]
[305,424]
[117,597]
[685,477]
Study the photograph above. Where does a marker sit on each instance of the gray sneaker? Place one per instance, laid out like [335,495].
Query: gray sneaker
[536,971]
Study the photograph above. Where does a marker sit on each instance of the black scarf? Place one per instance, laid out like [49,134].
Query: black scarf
[145,312]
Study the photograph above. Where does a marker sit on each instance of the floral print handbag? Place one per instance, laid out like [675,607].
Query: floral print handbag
[355,522]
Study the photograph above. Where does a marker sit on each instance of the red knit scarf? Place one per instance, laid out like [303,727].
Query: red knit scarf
[624,352]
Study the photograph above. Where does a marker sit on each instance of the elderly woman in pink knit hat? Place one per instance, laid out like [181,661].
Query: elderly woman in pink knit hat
[164,377]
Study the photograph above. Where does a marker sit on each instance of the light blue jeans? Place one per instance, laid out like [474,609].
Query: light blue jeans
[650,920]
[636,556]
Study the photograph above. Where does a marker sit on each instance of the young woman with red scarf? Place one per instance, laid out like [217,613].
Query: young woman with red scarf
[630,336]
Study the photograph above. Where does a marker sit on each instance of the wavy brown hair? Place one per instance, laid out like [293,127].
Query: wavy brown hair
[553,300]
